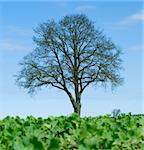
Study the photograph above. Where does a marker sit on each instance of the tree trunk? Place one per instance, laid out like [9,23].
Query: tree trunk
[77,109]
[76,103]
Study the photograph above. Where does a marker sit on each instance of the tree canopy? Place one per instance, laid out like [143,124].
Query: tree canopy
[70,55]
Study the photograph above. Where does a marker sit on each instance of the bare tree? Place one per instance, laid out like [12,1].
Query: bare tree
[70,55]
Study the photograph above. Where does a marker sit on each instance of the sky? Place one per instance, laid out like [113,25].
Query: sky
[122,21]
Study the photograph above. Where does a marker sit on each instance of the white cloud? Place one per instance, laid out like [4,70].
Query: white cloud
[138,47]
[15,38]
[11,45]
[20,31]
[84,8]
[138,17]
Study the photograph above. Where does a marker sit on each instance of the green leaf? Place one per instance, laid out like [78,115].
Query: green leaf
[54,144]
[36,143]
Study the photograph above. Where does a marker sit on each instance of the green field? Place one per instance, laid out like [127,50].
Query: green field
[124,132]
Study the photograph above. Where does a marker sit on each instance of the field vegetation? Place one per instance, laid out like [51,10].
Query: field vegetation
[72,132]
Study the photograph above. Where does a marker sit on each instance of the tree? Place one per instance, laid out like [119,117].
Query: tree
[70,55]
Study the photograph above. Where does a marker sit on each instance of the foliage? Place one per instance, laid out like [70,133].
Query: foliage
[72,133]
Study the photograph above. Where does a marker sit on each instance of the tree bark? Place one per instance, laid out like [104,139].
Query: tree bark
[76,102]
[77,109]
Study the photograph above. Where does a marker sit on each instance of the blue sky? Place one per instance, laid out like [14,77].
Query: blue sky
[122,21]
